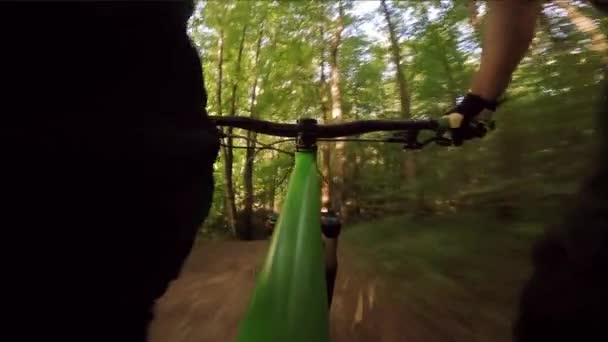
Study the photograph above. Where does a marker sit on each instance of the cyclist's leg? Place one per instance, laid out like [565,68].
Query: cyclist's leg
[566,297]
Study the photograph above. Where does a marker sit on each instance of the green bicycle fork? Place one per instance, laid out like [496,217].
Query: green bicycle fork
[289,302]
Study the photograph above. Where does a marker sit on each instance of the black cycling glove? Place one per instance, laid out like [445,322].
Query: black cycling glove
[471,118]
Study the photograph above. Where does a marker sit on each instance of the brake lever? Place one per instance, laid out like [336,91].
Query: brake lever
[441,141]
[409,138]
[411,142]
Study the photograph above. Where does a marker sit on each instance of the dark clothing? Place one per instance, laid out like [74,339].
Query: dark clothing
[96,226]
[114,62]
[566,298]
[106,175]
[601,5]
[106,164]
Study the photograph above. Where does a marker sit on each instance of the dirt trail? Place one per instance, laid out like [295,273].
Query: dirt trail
[206,303]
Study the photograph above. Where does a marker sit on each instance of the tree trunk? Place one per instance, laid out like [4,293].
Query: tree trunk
[248,183]
[325,150]
[228,152]
[273,190]
[404,96]
[249,156]
[337,181]
[355,183]
[230,210]
[228,183]
[273,185]
[448,72]
[408,162]
[229,157]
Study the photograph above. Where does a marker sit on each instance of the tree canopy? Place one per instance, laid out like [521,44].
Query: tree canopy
[348,60]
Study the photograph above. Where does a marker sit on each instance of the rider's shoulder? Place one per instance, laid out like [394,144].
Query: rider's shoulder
[601,5]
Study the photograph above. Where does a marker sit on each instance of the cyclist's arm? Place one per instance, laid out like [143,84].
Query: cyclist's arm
[508,30]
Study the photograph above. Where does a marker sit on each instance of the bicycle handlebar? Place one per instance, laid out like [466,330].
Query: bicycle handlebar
[326,131]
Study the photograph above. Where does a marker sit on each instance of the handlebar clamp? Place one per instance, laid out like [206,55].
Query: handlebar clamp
[307,136]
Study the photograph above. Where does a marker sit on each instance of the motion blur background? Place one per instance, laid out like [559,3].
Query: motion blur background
[437,241]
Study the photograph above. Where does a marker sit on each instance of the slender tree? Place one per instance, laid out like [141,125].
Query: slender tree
[249,156]
[337,181]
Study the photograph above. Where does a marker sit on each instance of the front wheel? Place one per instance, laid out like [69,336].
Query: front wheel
[330,227]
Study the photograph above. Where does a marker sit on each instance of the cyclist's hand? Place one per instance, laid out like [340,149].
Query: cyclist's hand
[470,119]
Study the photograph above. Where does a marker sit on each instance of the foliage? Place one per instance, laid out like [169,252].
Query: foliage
[534,159]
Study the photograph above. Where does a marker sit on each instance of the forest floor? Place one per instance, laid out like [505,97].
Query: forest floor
[436,283]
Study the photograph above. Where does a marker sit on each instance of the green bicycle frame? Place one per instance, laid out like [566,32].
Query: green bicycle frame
[289,302]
